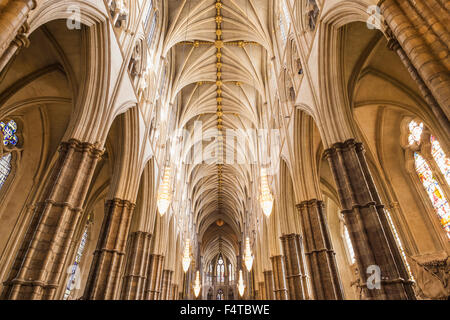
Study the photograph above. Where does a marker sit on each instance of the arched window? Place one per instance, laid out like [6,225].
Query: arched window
[349,245]
[5,168]
[9,130]
[428,177]
[399,242]
[74,276]
[220,270]
[230,272]
[220,294]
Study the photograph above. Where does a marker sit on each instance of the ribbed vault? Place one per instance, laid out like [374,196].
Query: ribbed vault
[220,52]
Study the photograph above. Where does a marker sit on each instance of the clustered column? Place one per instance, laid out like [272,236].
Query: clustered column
[364,215]
[270,289]
[421,28]
[104,276]
[295,268]
[13,26]
[39,264]
[319,251]
[136,271]
[279,278]
[153,289]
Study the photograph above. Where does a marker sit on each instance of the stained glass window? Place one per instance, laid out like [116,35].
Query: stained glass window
[441,159]
[434,191]
[75,272]
[399,242]
[5,168]
[220,270]
[349,245]
[9,130]
[415,131]
[230,272]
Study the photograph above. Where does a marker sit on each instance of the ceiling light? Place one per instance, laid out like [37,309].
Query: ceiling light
[186,257]
[241,285]
[266,199]
[164,196]
[248,258]
[197,285]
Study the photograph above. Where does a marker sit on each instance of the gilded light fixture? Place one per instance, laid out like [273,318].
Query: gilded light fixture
[248,257]
[241,285]
[197,284]
[220,222]
[187,256]
[266,199]
[164,196]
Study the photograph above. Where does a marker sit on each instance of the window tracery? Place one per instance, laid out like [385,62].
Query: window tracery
[426,173]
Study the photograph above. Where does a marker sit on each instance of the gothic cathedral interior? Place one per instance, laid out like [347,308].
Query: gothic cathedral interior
[224,150]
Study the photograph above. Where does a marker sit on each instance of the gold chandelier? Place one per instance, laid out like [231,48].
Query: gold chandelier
[241,285]
[266,199]
[248,258]
[186,257]
[164,196]
[197,285]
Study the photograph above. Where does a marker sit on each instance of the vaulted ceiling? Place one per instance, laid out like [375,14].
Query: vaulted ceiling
[219,51]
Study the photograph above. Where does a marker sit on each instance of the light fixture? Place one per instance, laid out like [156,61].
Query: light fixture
[186,257]
[248,258]
[266,199]
[164,196]
[241,285]
[197,285]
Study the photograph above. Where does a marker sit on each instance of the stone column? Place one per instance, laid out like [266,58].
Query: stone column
[175,292]
[364,215]
[319,251]
[279,278]
[262,290]
[104,276]
[166,283]
[153,289]
[426,93]
[421,28]
[294,257]
[13,15]
[270,289]
[136,270]
[20,41]
[39,266]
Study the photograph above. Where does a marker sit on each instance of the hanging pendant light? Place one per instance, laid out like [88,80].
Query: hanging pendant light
[186,257]
[164,196]
[197,285]
[241,285]
[266,199]
[248,258]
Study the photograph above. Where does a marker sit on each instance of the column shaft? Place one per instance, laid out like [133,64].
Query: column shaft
[293,252]
[365,218]
[136,270]
[104,276]
[319,251]
[13,15]
[270,289]
[166,284]
[421,28]
[153,289]
[279,278]
[40,263]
